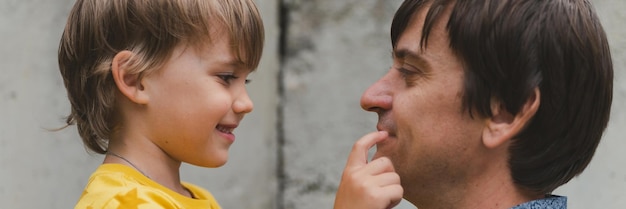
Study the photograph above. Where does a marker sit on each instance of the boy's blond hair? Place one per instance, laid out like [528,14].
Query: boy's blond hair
[97,30]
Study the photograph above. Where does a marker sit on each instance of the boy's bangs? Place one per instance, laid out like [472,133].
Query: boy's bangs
[248,42]
[242,21]
[246,31]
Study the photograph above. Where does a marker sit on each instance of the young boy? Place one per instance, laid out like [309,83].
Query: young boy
[153,84]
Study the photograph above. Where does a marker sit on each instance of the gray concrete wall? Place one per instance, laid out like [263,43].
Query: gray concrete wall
[291,150]
[335,50]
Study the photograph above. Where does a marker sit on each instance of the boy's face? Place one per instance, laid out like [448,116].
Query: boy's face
[196,101]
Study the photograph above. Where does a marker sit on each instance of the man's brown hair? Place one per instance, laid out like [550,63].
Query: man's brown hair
[97,30]
[511,47]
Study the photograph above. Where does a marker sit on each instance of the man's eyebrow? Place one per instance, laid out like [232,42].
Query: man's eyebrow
[411,55]
[403,53]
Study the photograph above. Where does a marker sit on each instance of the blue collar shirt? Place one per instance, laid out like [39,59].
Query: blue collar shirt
[550,202]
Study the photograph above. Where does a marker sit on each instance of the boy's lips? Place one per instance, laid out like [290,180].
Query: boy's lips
[226,130]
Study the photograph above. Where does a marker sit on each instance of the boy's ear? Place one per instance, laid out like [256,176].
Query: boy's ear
[502,125]
[128,83]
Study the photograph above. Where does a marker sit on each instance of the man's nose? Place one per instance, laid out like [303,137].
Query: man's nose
[378,97]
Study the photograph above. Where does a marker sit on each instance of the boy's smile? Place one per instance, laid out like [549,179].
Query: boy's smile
[227,131]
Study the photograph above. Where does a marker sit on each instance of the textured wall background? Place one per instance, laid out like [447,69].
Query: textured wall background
[334,51]
[291,150]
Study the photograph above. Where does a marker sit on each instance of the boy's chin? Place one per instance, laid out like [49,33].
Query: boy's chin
[213,163]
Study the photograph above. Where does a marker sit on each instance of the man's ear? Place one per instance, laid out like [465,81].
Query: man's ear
[128,83]
[502,125]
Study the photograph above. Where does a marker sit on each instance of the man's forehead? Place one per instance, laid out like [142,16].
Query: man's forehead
[419,25]
[404,52]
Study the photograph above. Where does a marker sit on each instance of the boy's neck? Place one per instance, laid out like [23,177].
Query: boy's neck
[146,157]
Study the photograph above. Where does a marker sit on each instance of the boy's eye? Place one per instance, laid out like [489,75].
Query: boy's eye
[227,78]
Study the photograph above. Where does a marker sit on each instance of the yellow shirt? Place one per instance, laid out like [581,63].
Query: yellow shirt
[116,186]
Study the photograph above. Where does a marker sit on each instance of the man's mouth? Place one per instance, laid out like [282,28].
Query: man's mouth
[385,123]
[390,131]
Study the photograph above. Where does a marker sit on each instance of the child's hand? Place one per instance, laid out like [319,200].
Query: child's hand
[373,185]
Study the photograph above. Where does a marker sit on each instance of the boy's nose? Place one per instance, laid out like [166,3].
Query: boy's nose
[243,104]
[378,97]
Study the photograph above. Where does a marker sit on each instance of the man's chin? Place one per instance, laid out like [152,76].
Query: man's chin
[385,147]
[379,154]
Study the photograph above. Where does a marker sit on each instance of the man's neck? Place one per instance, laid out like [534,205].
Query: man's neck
[493,188]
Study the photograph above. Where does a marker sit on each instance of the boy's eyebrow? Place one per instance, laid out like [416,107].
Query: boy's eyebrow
[411,55]
[236,64]
[227,60]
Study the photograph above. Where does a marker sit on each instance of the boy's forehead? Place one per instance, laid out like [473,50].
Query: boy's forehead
[221,51]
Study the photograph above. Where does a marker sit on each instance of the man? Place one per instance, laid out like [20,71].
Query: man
[488,104]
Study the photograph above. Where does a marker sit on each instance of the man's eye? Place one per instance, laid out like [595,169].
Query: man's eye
[227,78]
[405,73]
[411,77]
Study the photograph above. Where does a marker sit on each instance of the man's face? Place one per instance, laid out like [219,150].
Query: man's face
[432,141]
